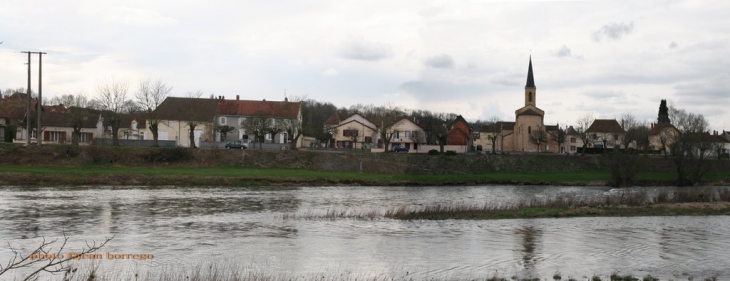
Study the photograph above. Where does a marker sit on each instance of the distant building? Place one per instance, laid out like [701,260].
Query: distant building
[529,123]
[605,133]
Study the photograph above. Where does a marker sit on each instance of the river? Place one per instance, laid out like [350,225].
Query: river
[185,227]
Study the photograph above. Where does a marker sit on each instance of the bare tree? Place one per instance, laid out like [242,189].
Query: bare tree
[112,99]
[582,125]
[191,122]
[78,100]
[224,130]
[79,117]
[690,147]
[538,137]
[493,125]
[629,123]
[258,125]
[386,117]
[48,257]
[149,96]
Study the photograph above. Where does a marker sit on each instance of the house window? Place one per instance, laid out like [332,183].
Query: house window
[169,123]
[397,134]
[241,120]
[414,134]
[222,120]
[349,133]
[141,135]
[55,136]
[615,137]
[368,139]
[407,134]
[595,136]
[268,136]
[572,140]
[572,148]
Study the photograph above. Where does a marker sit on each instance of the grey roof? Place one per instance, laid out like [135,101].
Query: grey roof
[530,79]
[187,109]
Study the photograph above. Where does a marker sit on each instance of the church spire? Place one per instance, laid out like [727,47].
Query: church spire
[530,80]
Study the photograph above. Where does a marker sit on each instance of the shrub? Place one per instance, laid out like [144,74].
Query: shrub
[103,155]
[9,133]
[450,152]
[68,151]
[174,154]
[724,195]
[433,152]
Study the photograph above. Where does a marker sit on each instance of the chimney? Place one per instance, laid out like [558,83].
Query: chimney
[238,97]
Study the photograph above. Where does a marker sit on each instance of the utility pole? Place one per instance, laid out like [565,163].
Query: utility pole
[28,101]
[39,138]
[27,107]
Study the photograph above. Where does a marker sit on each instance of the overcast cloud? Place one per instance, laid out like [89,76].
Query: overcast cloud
[468,57]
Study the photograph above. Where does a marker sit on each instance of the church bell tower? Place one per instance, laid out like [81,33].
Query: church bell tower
[530,89]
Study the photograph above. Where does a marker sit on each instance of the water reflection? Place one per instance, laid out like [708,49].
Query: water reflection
[184,226]
[529,237]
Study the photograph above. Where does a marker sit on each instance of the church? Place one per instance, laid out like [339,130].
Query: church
[529,129]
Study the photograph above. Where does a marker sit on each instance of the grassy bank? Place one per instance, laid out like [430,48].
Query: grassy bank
[103,165]
[703,201]
[238,176]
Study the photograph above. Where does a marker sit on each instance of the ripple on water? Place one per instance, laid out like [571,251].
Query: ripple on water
[184,226]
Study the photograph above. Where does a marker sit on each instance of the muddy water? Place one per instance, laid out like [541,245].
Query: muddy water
[245,227]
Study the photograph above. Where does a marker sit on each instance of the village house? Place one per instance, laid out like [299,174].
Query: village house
[132,127]
[572,142]
[283,119]
[355,132]
[605,133]
[330,128]
[459,133]
[661,136]
[176,114]
[406,133]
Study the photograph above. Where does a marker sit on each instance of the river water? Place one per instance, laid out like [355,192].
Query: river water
[245,227]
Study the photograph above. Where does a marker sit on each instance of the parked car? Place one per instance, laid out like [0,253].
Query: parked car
[235,145]
[399,148]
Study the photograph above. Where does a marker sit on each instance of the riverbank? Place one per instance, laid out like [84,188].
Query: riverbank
[239,176]
[54,165]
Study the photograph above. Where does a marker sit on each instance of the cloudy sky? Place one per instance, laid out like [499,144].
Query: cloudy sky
[468,57]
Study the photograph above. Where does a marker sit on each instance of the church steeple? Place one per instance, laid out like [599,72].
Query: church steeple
[530,80]
[530,89]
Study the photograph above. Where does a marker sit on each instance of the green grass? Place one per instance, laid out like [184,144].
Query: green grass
[551,177]
[250,176]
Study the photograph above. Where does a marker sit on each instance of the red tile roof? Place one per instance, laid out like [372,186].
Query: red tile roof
[281,109]
[333,120]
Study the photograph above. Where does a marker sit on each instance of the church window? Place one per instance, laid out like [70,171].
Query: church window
[529,130]
[529,94]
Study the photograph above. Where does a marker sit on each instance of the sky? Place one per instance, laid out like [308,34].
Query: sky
[605,58]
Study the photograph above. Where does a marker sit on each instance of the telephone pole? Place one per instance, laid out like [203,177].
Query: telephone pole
[28,101]
[38,137]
